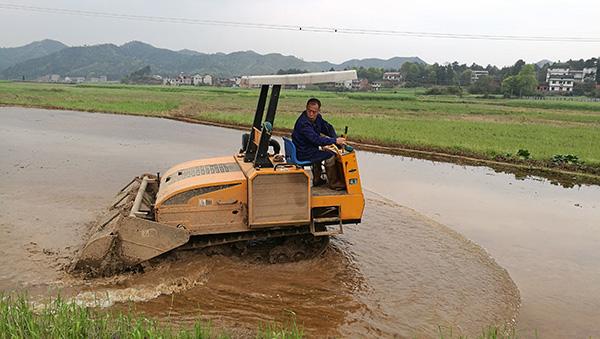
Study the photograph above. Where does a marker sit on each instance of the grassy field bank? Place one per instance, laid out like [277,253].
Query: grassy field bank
[549,133]
[59,319]
[19,318]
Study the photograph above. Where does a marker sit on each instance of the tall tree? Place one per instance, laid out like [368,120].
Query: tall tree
[598,71]
[484,85]
[509,85]
[516,68]
[527,81]
[411,73]
[521,84]
[465,77]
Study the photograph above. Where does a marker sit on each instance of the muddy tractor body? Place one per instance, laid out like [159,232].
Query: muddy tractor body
[250,196]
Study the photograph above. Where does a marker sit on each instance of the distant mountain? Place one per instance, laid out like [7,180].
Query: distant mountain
[190,52]
[97,60]
[15,55]
[118,61]
[543,62]
[393,63]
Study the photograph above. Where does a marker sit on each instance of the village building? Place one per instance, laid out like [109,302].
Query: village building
[392,76]
[563,79]
[345,85]
[197,80]
[542,87]
[102,78]
[360,85]
[180,80]
[475,75]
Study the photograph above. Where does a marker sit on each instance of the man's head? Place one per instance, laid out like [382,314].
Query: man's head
[313,105]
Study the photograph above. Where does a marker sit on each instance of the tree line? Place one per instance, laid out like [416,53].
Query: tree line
[515,80]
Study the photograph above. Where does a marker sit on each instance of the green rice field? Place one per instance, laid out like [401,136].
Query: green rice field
[485,128]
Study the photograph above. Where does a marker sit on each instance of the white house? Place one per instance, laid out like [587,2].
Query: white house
[475,75]
[563,79]
[197,80]
[180,80]
[101,78]
[344,84]
[392,76]
[562,83]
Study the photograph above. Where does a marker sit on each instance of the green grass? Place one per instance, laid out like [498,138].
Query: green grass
[488,139]
[59,319]
[20,318]
[492,332]
[485,128]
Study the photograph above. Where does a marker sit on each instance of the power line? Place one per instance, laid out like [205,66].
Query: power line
[281,27]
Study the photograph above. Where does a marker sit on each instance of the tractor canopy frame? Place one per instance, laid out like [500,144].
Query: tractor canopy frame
[256,148]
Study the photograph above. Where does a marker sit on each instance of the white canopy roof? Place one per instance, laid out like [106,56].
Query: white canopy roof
[299,79]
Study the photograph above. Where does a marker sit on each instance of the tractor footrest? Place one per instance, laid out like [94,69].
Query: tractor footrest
[334,230]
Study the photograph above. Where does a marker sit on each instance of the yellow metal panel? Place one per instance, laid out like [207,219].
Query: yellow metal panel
[351,206]
[351,173]
[278,197]
[221,211]
[169,189]
[197,162]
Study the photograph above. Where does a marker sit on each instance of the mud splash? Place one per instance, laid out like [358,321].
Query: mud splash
[397,274]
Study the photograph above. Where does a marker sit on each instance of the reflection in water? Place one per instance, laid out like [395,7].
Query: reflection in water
[568,178]
[545,235]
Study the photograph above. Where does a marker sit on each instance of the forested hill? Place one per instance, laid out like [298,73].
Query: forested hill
[118,61]
[14,55]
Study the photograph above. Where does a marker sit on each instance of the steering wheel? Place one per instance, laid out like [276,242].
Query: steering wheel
[333,148]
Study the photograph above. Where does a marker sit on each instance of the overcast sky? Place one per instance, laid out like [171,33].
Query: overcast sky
[499,17]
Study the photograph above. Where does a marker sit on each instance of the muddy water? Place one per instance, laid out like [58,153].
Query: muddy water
[398,273]
[546,236]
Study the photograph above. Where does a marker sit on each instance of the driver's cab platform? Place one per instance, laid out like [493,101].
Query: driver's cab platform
[279,192]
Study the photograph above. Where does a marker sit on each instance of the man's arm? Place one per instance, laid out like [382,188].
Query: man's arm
[307,131]
[328,129]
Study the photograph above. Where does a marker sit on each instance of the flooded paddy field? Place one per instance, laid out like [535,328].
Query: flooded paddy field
[398,273]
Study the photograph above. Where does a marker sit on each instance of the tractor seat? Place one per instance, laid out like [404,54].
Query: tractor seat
[290,153]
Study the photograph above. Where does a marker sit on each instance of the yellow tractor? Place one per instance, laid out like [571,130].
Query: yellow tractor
[247,197]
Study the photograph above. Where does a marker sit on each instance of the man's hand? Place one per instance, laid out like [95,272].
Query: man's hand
[340,141]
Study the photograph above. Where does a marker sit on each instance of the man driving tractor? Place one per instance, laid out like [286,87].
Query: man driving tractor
[310,133]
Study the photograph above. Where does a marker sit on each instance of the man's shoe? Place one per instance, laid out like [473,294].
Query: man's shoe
[316,172]
[333,178]
[319,182]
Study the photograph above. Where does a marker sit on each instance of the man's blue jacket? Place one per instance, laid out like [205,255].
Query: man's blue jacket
[307,138]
